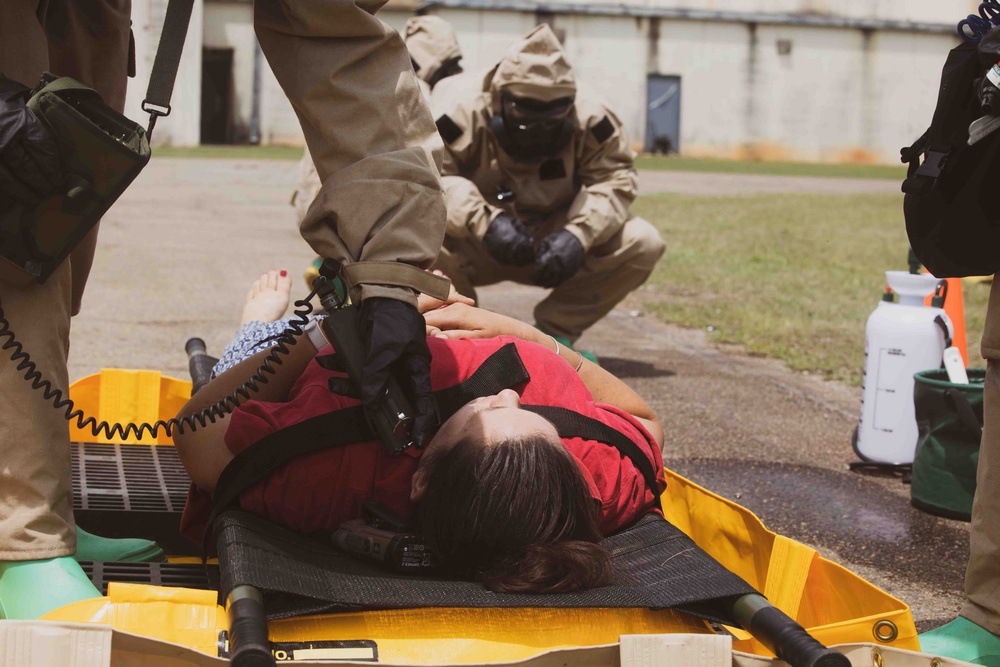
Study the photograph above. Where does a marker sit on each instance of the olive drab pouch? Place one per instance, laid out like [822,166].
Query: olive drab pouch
[950,425]
[102,153]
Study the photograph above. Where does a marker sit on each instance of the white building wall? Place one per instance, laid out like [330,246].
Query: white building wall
[920,11]
[609,55]
[905,75]
[711,59]
[842,93]
[183,126]
[278,122]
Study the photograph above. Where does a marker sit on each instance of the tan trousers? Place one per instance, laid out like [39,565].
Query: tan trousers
[982,577]
[368,128]
[610,271]
[87,40]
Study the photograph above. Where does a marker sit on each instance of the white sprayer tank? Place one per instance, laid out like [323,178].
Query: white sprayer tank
[900,339]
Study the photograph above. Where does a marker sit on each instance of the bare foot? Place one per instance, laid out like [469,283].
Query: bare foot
[268,297]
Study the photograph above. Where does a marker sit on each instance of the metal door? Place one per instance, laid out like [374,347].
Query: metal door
[663,114]
[216,96]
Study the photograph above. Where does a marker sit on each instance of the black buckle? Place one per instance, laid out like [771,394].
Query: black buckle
[155,111]
[933,164]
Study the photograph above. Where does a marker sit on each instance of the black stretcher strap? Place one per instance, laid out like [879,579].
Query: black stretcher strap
[654,565]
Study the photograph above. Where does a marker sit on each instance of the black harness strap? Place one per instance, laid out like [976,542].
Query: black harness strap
[502,370]
[572,424]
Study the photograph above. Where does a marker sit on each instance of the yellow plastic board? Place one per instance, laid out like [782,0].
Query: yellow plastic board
[127,396]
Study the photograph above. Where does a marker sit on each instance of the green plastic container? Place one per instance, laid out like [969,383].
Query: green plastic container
[949,425]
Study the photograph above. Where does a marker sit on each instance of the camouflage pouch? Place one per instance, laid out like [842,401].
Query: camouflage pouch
[102,152]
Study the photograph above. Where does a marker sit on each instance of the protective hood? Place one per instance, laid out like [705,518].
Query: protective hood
[536,68]
[431,42]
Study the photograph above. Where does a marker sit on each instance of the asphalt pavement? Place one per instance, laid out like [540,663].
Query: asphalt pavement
[178,253]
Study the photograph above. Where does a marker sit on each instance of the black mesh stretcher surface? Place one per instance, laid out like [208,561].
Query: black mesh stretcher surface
[131,491]
[183,575]
[655,565]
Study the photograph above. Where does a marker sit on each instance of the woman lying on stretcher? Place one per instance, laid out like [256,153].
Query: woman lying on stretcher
[497,494]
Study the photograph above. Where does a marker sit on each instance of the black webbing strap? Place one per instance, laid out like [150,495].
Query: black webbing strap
[572,424]
[168,59]
[501,370]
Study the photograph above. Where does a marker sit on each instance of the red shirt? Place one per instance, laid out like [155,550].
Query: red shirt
[320,491]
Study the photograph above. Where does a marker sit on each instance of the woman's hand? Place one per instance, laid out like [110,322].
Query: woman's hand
[426,303]
[461,320]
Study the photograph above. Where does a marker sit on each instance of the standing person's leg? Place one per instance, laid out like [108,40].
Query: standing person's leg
[350,80]
[609,273]
[89,41]
[975,635]
[37,534]
[982,577]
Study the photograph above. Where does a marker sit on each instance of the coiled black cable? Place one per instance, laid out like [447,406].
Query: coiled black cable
[972,28]
[221,408]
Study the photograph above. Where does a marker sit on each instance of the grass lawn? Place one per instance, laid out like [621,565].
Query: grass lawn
[675,163]
[791,276]
[232,152]
[243,152]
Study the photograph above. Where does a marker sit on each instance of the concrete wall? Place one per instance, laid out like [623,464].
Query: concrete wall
[183,126]
[924,11]
[839,93]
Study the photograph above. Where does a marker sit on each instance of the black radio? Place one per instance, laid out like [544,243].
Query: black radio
[102,152]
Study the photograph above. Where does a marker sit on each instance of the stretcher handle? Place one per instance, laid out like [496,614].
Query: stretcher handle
[782,635]
[200,365]
[248,644]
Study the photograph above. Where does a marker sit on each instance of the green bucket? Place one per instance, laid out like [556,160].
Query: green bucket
[949,425]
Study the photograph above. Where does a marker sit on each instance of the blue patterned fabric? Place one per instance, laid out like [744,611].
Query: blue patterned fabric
[252,337]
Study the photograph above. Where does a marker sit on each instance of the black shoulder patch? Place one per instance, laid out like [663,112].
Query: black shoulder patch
[552,170]
[448,129]
[602,130]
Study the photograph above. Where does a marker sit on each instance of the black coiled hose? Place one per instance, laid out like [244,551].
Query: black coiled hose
[972,28]
[224,406]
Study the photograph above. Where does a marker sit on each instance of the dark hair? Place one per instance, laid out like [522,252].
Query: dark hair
[516,515]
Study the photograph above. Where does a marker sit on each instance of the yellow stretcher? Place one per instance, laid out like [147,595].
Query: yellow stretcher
[836,606]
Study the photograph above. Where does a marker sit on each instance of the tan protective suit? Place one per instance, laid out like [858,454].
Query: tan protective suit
[87,40]
[348,77]
[586,188]
[982,577]
[430,41]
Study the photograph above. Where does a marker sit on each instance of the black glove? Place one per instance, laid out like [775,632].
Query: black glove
[396,343]
[30,166]
[509,241]
[560,256]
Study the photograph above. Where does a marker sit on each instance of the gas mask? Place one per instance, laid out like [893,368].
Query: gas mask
[530,130]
